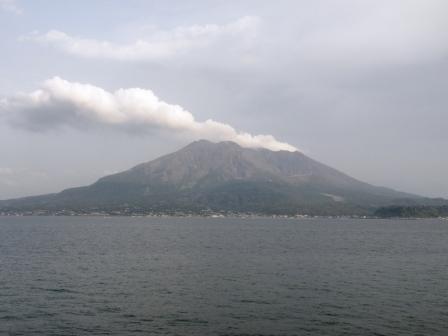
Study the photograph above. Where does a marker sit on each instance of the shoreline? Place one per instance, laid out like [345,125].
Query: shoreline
[241,216]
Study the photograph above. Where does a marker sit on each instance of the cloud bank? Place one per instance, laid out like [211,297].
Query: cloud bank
[371,33]
[62,103]
[158,45]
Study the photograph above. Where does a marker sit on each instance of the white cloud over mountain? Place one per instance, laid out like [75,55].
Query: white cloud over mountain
[160,44]
[62,103]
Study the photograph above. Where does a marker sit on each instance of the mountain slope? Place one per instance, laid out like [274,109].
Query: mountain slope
[224,177]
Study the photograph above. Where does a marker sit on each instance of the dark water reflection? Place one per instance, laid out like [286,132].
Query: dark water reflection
[129,276]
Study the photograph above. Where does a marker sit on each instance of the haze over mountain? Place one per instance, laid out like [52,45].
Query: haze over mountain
[358,85]
[223,177]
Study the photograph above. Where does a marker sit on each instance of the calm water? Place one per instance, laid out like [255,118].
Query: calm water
[129,276]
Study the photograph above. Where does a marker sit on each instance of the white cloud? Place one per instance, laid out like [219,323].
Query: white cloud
[10,6]
[328,32]
[62,103]
[158,45]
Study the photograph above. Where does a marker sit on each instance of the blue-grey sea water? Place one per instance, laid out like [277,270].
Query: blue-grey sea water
[150,276]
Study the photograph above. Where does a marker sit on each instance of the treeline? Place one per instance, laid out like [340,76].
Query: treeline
[423,211]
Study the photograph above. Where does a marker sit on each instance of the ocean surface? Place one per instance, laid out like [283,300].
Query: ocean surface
[149,276]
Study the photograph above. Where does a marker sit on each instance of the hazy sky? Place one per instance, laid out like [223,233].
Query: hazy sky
[88,88]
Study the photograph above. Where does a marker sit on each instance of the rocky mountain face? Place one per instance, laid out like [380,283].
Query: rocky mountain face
[224,177]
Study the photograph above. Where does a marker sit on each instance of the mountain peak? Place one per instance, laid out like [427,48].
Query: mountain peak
[208,143]
[229,144]
[224,176]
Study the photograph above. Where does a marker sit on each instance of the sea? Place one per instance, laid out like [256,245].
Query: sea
[222,276]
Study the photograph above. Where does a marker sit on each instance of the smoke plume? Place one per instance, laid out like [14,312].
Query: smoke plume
[62,103]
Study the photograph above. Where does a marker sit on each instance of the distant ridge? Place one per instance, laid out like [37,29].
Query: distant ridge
[221,177]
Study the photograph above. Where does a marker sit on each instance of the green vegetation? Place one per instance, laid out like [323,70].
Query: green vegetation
[424,211]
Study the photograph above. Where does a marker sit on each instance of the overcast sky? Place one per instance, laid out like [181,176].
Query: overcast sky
[88,88]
